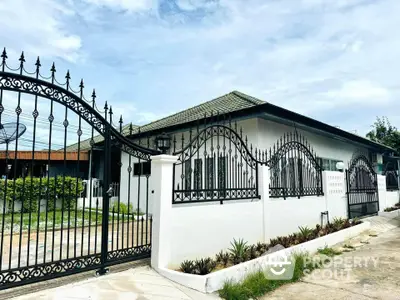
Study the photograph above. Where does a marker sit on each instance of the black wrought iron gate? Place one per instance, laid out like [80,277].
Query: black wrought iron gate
[73,194]
[362,188]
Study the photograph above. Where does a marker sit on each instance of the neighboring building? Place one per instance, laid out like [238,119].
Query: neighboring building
[43,164]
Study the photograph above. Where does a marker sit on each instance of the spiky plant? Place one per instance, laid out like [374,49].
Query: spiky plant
[252,252]
[261,247]
[219,257]
[225,259]
[304,233]
[238,251]
[355,221]
[187,266]
[204,266]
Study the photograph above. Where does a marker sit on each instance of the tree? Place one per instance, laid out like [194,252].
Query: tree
[385,133]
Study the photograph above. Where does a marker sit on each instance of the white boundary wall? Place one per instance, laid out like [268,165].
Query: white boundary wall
[198,230]
[386,198]
[203,229]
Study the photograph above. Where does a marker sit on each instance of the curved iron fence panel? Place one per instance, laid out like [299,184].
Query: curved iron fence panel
[294,168]
[392,178]
[217,164]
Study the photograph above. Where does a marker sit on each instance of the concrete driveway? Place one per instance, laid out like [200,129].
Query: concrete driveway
[369,271]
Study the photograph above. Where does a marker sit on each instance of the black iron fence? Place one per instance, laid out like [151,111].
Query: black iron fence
[362,187]
[217,163]
[392,178]
[294,168]
[52,234]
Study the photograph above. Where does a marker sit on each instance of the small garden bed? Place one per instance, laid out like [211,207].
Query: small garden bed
[209,275]
[395,207]
[241,252]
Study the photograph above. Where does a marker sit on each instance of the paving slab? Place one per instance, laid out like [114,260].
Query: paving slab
[370,271]
[140,283]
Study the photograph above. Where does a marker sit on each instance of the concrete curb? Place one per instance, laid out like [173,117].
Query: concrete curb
[214,281]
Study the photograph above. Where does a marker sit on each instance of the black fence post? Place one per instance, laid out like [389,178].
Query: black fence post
[106,208]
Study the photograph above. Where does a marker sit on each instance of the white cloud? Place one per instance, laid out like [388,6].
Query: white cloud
[320,58]
[361,91]
[38,29]
[130,5]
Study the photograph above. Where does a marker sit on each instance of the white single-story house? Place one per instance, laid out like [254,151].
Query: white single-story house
[262,126]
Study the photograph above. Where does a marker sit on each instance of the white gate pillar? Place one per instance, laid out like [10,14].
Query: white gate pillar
[161,187]
[263,179]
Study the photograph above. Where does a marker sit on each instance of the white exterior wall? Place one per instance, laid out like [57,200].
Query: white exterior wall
[136,182]
[270,132]
[202,230]
[137,186]
[392,198]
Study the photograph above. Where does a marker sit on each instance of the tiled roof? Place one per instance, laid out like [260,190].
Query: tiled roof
[225,104]
[85,144]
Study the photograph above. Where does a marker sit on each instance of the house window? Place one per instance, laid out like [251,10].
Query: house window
[198,174]
[210,171]
[222,175]
[142,169]
[188,176]
[328,164]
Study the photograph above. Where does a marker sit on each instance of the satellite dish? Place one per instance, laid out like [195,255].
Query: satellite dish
[10,132]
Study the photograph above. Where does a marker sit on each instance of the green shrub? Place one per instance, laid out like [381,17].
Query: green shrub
[123,208]
[29,190]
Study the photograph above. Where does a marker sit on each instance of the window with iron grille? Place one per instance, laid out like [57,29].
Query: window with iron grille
[198,174]
[214,150]
[210,174]
[222,175]
[142,169]
[188,176]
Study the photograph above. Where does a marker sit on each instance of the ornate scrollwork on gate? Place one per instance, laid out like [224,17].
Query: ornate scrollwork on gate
[392,177]
[362,187]
[217,164]
[34,273]
[294,169]
[361,174]
[38,169]
[18,81]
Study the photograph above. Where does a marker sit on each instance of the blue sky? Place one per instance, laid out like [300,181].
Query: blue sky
[337,61]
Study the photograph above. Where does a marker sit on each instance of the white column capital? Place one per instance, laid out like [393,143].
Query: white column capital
[164,158]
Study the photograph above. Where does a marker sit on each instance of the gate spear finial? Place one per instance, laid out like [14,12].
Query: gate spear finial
[38,65]
[53,71]
[4,55]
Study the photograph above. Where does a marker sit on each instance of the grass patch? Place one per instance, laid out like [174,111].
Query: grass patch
[329,251]
[57,217]
[256,285]
[348,246]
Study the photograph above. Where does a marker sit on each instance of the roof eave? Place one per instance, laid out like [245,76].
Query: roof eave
[271,109]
